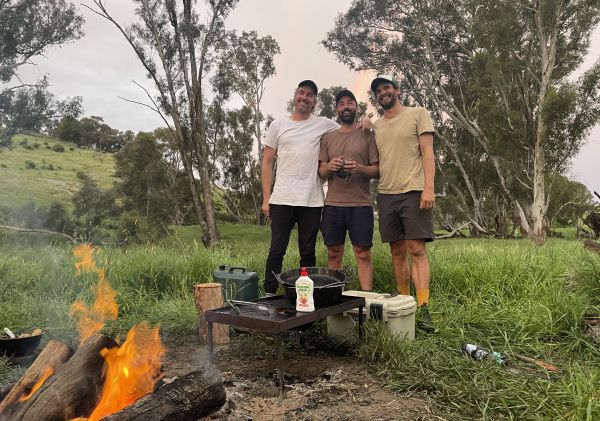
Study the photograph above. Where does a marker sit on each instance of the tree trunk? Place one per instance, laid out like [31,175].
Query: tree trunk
[538,208]
[592,220]
[54,355]
[547,39]
[73,391]
[190,397]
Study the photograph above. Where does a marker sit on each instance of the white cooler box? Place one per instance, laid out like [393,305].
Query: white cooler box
[398,314]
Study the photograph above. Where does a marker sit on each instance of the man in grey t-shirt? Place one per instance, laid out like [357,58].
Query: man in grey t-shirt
[349,160]
[297,195]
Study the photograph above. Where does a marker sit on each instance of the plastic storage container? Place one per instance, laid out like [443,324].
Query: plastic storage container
[238,282]
[398,314]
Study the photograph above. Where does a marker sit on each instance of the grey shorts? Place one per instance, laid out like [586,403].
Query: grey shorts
[400,218]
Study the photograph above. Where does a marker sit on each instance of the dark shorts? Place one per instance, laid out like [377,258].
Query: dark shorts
[357,220]
[400,218]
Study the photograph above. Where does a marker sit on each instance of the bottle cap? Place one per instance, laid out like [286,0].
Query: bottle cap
[303,272]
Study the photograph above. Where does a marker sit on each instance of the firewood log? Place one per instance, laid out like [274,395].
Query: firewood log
[52,356]
[210,296]
[190,397]
[72,392]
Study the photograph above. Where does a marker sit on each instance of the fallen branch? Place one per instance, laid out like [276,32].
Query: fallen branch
[40,231]
[539,363]
[592,246]
[453,233]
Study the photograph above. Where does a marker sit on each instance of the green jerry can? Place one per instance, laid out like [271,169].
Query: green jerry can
[238,283]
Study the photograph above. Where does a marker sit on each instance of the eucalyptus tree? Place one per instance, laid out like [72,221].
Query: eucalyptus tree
[246,62]
[176,42]
[28,28]
[494,69]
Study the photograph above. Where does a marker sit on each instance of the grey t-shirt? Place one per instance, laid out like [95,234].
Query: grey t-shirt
[359,146]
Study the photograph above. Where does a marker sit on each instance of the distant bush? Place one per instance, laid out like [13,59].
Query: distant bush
[6,143]
[82,175]
[28,147]
[36,145]
[58,148]
[48,147]
[3,165]
[23,142]
[71,148]
[51,167]
[29,164]
[46,143]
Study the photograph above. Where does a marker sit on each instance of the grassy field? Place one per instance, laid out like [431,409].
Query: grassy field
[42,175]
[509,296]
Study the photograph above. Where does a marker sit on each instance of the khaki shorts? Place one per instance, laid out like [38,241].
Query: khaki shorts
[400,218]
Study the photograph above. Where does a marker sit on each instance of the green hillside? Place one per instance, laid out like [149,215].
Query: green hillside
[32,170]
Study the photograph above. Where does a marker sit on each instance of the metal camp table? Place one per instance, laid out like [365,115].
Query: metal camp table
[275,315]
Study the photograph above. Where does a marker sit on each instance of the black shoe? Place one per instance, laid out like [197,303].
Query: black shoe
[425,323]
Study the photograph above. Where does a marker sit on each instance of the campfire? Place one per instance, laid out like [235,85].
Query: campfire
[104,379]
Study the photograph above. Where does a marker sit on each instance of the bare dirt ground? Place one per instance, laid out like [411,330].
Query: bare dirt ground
[320,385]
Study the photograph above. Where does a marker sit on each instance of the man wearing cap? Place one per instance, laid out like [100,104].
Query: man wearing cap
[404,137]
[349,160]
[297,195]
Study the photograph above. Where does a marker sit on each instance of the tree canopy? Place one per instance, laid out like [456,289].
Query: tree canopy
[506,114]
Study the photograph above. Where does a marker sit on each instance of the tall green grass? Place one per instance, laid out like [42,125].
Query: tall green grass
[509,296]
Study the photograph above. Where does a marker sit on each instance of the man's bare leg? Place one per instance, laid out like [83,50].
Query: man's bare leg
[420,269]
[365,267]
[335,254]
[399,251]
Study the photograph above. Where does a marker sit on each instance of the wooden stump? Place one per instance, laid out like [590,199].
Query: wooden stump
[54,355]
[188,398]
[210,296]
[72,392]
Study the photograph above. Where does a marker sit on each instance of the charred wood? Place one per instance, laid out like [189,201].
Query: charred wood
[73,391]
[190,397]
[54,355]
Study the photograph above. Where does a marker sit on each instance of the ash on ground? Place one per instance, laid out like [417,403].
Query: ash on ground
[323,381]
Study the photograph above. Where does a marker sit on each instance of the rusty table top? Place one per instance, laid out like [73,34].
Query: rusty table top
[278,314]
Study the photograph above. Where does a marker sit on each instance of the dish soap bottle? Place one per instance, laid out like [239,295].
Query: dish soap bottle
[304,292]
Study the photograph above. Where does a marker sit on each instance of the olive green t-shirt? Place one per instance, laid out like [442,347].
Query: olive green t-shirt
[400,160]
[359,146]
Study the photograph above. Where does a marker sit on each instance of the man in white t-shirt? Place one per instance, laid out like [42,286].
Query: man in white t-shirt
[297,196]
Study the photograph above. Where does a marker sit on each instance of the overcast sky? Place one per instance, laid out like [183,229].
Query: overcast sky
[101,66]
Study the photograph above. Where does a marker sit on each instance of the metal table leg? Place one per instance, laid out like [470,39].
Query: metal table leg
[280,363]
[360,323]
[209,333]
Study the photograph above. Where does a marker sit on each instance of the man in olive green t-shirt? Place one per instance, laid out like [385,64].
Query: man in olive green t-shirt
[406,197]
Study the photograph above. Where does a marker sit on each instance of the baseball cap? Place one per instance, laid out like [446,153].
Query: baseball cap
[383,78]
[312,85]
[343,93]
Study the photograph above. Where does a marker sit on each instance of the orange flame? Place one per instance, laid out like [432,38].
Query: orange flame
[131,370]
[47,373]
[91,320]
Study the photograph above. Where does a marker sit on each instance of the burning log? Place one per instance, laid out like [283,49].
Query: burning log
[210,296]
[54,355]
[190,397]
[72,392]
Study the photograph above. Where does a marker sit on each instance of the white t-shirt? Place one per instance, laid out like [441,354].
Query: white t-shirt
[297,181]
